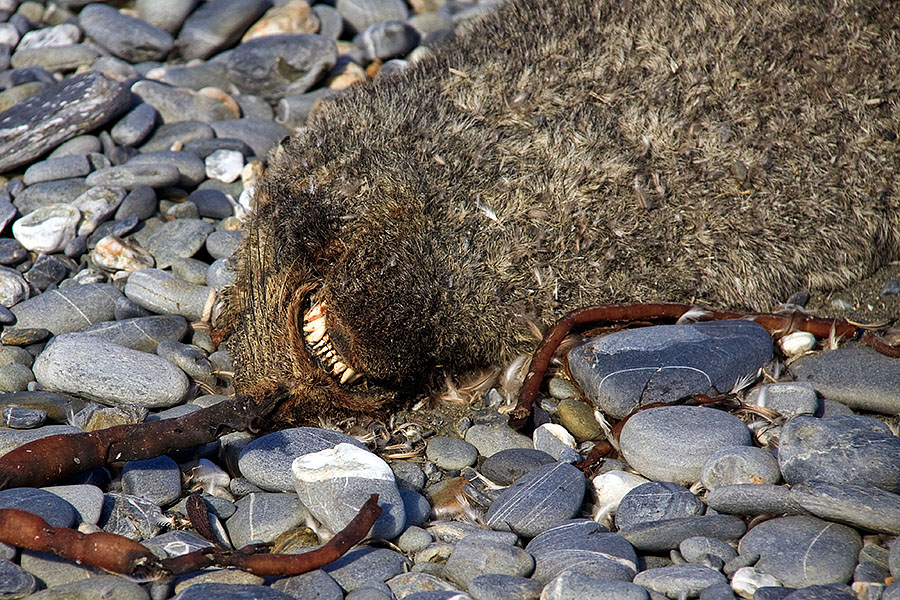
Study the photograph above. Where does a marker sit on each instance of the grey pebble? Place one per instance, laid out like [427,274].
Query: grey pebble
[52,169]
[124,36]
[155,479]
[406,584]
[181,238]
[789,398]
[50,37]
[360,14]
[195,76]
[203,148]
[266,461]
[131,176]
[97,586]
[55,58]
[363,565]
[685,579]
[127,515]
[96,205]
[221,274]
[492,439]
[753,499]
[165,14]
[13,287]
[94,368]
[81,144]
[162,292]
[331,24]
[53,571]
[451,453]
[212,203]
[413,539]
[140,202]
[540,499]
[739,464]
[189,166]
[20,418]
[306,58]
[176,543]
[117,228]
[657,501]
[126,308]
[857,376]
[664,535]
[506,466]
[695,549]
[190,270]
[582,546]
[49,192]
[50,507]
[15,378]
[188,359]
[494,586]
[11,252]
[671,443]
[7,213]
[232,591]
[454,531]
[628,369]
[214,26]
[570,585]
[58,112]
[387,39]
[853,450]
[15,582]
[182,210]
[803,550]
[372,590]
[134,127]
[48,271]
[87,500]
[866,508]
[315,585]
[222,244]
[260,134]
[416,507]
[408,475]
[294,110]
[263,517]
[70,309]
[720,591]
[182,132]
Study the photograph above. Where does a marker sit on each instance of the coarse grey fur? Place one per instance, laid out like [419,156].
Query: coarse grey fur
[560,154]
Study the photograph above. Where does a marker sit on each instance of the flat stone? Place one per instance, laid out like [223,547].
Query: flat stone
[577,417]
[803,550]
[865,508]
[857,376]
[266,461]
[176,543]
[676,580]
[87,500]
[155,479]
[41,194]
[221,274]
[11,251]
[142,333]
[363,565]
[263,517]
[115,254]
[539,500]
[124,36]
[492,439]
[493,586]
[506,466]
[213,27]
[161,292]
[16,378]
[315,585]
[260,134]
[582,546]
[94,368]
[232,591]
[97,586]
[58,112]
[623,371]
[48,271]
[657,501]
[127,515]
[224,165]
[52,169]
[70,309]
[13,438]
[739,464]
[471,559]
[656,536]
[696,548]
[360,14]
[54,58]
[671,443]
[180,238]
[454,531]
[15,582]
[451,453]
[13,287]
[223,244]
[753,499]
[788,398]
[406,584]
[50,507]
[387,39]
[174,104]
[140,202]
[131,176]
[571,585]
[134,127]
[845,450]
[96,205]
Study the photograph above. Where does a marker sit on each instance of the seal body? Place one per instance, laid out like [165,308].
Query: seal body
[554,156]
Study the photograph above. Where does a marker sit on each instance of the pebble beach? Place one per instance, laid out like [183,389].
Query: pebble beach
[132,135]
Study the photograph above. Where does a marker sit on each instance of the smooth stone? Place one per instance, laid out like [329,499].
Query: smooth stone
[188,358]
[15,582]
[540,499]
[58,112]
[63,35]
[189,166]
[471,559]
[50,507]
[212,203]
[788,398]
[222,244]
[263,517]
[451,453]
[155,479]
[221,274]
[126,309]
[20,418]
[215,26]
[492,439]
[191,270]
[82,144]
[315,585]
[866,508]
[260,134]
[413,539]
[687,579]
[506,466]
[294,110]
[657,501]
[671,443]
[70,309]
[135,126]
[577,417]
[625,370]
[6,316]
[140,202]
[115,254]
[739,464]
[203,148]
[363,565]
[803,550]
[231,591]
[131,176]
[87,500]
[697,548]
[408,476]
[753,499]
[55,58]
[165,14]
[333,484]
[11,252]
[13,287]
[181,238]
[454,531]
[48,229]
[15,378]
[279,65]
[45,193]
[582,546]
[53,571]
[856,376]
[224,165]
[13,438]
[360,14]
[124,36]
[117,228]
[7,214]
[170,135]
[130,516]
[845,450]
[22,336]
[47,271]
[570,585]
[657,536]
[97,586]
[387,39]
[194,76]
[406,584]
[163,293]
[96,205]
[266,461]
[52,169]
[555,441]
[96,369]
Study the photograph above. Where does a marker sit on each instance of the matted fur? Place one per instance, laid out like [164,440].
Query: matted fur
[560,154]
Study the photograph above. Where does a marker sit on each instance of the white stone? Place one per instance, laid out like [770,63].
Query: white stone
[747,580]
[345,460]
[50,37]
[47,229]
[797,343]
[9,35]
[608,490]
[224,165]
[96,205]
[13,287]
[557,431]
[115,254]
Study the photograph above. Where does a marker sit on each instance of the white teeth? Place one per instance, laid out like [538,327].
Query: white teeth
[338,368]
[347,374]
[316,312]
[316,333]
[313,324]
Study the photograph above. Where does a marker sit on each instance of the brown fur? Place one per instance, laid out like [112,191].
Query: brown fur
[567,153]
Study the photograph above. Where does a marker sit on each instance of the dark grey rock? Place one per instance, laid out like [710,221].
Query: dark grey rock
[127,515]
[454,531]
[50,507]
[331,24]
[82,144]
[13,438]
[95,586]
[11,252]
[134,127]
[451,453]
[163,293]
[416,506]
[191,270]
[165,14]
[753,499]
[232,591]
[203,148]
[387,39]
[504,587]
[657,501]
[119,228]
[571,585]
[7,212]
[582,546]
[52,169]
[492,439]
[179,104]
[471,559]
[87,500]
[183,132]
[695,549]
[214,26]
[57,406]
[212,203]
[93,368]
[15,582]
[126,308]
[409,476]
[260,134]
[656,536]
[57,113]
[628,369]
[157,480]
[222,244]
[69,309]
[506,466]
[720,591]
[294,110]
[140,202]
[363,565]
[866,508]
[49,192]
[266,461]
[787,398]
[803,550]
[686,579]
[221,274]
[180,238]
[823,592]
[19,418]
[189,166]
[263,517]
[176,543]
[124,36]
[315,585]
[188,359]
[739,464]
[360,14]
[852,450]
[671,443]
[131,176]
[47,271]
[857,376]
[540,499]
[195,76]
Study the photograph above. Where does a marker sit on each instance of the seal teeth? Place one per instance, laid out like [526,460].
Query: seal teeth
[338,367]
[317,311]
[348,374]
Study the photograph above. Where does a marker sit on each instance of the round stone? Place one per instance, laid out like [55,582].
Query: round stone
[50,507]
[451,453]
[506,466]
[657,501]
[739,464]
[48,229]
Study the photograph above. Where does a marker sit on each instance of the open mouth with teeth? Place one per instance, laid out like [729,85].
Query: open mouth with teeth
[320,346]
